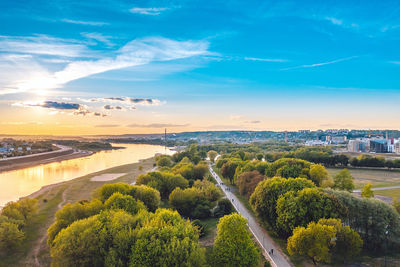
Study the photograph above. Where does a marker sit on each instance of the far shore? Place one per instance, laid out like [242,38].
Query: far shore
[34,163]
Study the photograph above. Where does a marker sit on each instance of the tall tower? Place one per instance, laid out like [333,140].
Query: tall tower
[285,136]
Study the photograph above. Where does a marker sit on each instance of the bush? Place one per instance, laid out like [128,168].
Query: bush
[224,207]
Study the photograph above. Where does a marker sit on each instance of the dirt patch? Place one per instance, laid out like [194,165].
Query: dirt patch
[106,177]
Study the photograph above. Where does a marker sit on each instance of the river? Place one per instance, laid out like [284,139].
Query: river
[23,182]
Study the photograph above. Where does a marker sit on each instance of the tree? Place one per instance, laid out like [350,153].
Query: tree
[228,169]
[164,182]
[302,207]
[11,236]
[344,181]
[367,192]
[289,168]
[318,174]
[70,213]
[200,170]
[20,210]
[164,161]
[348,242]
[376,221]
[265,196]
[396,204]
[167,240]
[313,242]
[233,245]
[224,207]
[212,154]
[248,182]
[124,202]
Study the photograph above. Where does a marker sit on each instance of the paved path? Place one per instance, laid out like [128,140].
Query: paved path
[379,188]
[278,259]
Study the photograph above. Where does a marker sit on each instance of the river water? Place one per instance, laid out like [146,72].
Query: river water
[23,182]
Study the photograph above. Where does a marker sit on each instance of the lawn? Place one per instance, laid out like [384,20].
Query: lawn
[378,178]
[389,193]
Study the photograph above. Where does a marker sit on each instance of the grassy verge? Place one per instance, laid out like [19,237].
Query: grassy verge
[389,193]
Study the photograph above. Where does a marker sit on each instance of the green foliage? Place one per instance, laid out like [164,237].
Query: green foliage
[248,181]
[14,216]
[289,168]
[164,161]
[124,202]
[344,181]
[318,173]
[265,196]
[396,204]
[228,169]
[200,170]
[224,207]
[11,236]
[212,154]
[164,182]
[366,192]
[233,245]
[371,218]
[200,227]
[195,202]
[299,208]
[148,195]
[348,243]
[71,213]
[313,242]
[167,240]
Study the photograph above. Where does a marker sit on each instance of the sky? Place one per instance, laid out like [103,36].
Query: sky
[86,67]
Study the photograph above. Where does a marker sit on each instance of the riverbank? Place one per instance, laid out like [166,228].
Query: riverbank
[33,163]
[35,251]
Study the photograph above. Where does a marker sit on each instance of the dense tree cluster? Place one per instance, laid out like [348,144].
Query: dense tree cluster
[248,182]
[195,202]
[164,182]
[13,217]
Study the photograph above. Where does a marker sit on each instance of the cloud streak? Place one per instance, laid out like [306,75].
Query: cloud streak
[320,64]
[81,22]
[152,11]
[135,53]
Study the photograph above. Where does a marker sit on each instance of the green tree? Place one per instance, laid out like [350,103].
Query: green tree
[190,202]
[164,182]
[348,243]
[200,170]
[318,174]
[11,236]
[313,242]
[124,202]
[228,169]
[212,154]
[396,204]
[71,213]
[344,181]
[299,208]
[366,192]
[167,240]
[265,196]
[164,161]
[233,245]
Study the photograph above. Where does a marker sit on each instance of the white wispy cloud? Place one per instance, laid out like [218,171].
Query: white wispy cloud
[42,45]
[265,59]
[321,63]
[82,22]
[135,53]
[98,37]
[395,62]
[335,21]
[153,11]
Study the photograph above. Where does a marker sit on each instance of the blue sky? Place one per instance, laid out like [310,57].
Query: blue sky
[206,65]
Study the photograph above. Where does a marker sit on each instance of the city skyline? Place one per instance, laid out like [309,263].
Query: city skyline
[119,67]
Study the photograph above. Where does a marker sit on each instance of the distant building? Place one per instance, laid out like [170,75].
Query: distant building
[379,146]
[315,143]
[336,139]
[397,148]
[357,146]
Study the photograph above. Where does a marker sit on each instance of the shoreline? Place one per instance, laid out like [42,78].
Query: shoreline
[35,163]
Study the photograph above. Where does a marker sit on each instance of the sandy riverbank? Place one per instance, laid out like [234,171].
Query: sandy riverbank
[15,166]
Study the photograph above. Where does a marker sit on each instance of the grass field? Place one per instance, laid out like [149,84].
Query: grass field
[389,193]
[378,178]
[35,251]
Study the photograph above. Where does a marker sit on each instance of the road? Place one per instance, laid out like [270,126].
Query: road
[277,259]
[379,188]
